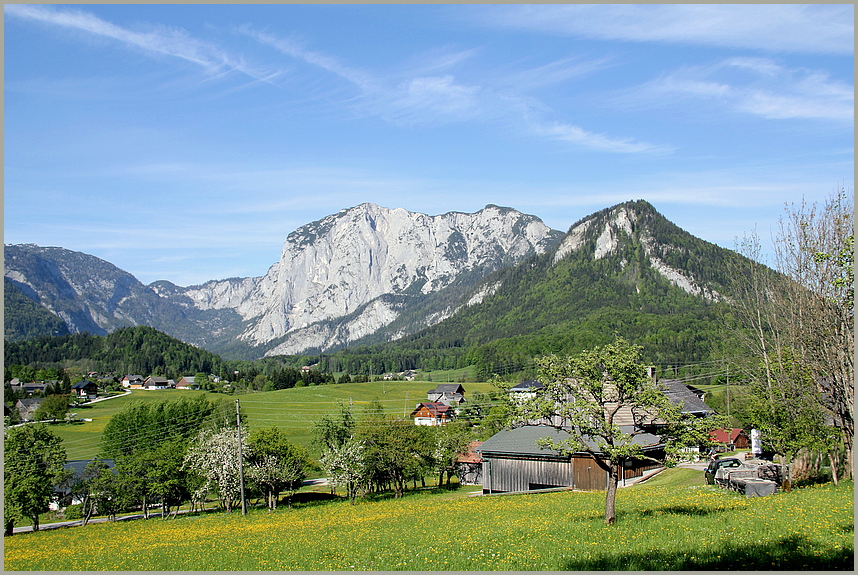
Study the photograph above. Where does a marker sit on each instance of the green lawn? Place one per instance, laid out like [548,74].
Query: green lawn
[293,410]
[659,527]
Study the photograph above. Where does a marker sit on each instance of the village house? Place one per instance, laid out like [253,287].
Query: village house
[27,407]
[187,382]
[432,413]
[525,390]
[731,438]
[75,473]
[85,389]
[512,460]
[156,382]
[133,381]
[29,387]
[447,393]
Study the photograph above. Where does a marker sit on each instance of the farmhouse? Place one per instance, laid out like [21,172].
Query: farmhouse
[513,461]
[447,393]
[432,413]
[156,382]
[187,382]
[525,390]
[132,381]
[732,438]
[85,389]
[27,407]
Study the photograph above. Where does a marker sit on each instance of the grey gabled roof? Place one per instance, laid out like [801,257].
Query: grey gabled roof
[448,388]
[522,441]
[83,384]
[527,385]
[679,394]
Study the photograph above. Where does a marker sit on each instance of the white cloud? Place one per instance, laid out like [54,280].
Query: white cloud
[161,40]
[581,137]
[756,86]
[770,27]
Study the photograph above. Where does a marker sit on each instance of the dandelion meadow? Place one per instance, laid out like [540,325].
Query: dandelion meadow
[658,528]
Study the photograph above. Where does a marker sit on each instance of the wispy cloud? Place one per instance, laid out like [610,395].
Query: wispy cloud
[160,40]
[577,135]
[757,86]
[440,99]
[429,95]
[770,27]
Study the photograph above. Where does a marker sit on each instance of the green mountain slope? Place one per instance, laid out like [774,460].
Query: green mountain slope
[140,350]
[25,319]
[625,270]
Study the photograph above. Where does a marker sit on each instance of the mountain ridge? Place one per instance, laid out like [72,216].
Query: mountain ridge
[356,260]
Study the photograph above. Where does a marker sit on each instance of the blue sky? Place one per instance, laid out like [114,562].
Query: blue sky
[186,142]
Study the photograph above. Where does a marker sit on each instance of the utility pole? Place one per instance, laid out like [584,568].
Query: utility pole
[728,391]
[240,458]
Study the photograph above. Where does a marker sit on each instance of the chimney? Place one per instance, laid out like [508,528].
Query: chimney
[650,373]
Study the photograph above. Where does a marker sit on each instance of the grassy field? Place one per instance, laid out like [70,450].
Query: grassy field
[659,527]
[293,410]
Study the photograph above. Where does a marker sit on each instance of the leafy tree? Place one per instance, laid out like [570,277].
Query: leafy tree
[583,395]
[52,407]
[275,463]
[396,450]
[33,461]
[451,441]
[143,425]
[95,489]
[334,430]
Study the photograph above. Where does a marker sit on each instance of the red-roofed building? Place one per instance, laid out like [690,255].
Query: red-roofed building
[732,438]
[432,413]
[469,467]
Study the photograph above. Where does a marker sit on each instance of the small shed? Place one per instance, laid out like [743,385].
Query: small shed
[513,461]
[85,389]
[469,467]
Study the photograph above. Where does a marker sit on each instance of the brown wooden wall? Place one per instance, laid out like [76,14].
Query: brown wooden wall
[503,474]
[524,474]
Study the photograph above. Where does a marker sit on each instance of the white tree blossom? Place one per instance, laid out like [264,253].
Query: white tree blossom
[214,455]
[346,465]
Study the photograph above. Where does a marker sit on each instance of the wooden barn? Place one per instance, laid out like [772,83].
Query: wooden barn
[512,461]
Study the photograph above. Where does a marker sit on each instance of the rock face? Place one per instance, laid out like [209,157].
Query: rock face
[348,264]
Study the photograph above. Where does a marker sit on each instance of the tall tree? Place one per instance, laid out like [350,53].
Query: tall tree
[584,395]
[800,320]
[275,463]
[33,462]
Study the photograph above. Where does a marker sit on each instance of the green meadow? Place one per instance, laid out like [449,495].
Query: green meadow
[659,527]
[293,410]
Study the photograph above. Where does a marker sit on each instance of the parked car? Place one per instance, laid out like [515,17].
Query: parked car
[717,464]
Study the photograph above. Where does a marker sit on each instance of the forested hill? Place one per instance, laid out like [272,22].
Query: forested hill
[625,270]
[24,318]
[139,350]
